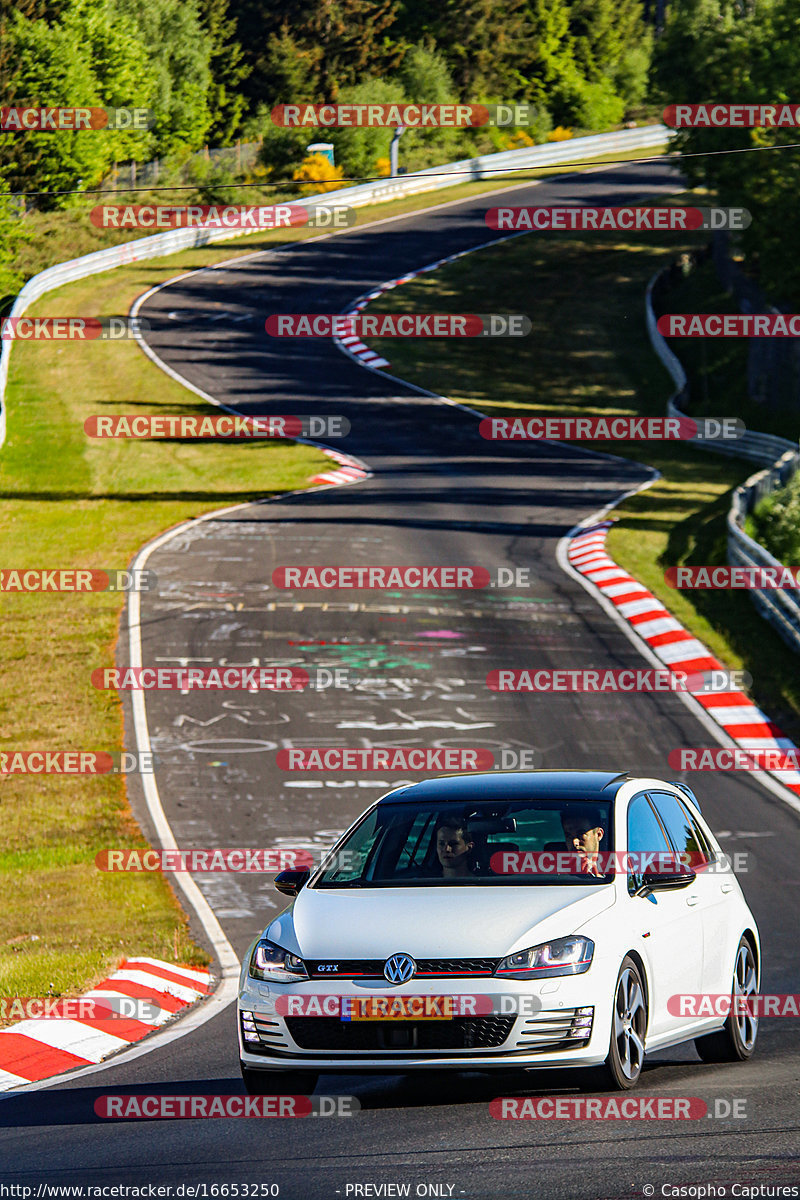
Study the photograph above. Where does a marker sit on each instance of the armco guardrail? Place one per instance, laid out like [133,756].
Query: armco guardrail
[779,606]
[431,179]
[761,448]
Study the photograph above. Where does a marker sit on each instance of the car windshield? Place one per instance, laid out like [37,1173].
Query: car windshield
[531,842]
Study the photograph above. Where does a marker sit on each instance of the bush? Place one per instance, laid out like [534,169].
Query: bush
[12,233]
[775,522]
[318,174]
[598,106]
[281,149]
[357,150]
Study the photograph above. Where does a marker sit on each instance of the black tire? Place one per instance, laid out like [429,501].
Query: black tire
[736,1041]
[626,1049]
[278,1083]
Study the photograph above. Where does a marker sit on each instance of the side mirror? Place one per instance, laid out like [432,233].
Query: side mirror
[665,883]
[290,882]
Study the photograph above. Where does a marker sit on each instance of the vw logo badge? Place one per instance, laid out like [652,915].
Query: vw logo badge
[399,968]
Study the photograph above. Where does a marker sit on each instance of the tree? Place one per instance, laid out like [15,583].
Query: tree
[548,66]
[424,77]
[90,56]
[609,36]
[484,41]
[50,67]
[345,39]
[722,49]
[179,51]
[358,149]
[228,70]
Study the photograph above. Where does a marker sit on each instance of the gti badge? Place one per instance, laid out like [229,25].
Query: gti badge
[399,968]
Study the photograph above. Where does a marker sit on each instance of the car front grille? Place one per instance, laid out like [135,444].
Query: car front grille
[460,1033]
[372,968]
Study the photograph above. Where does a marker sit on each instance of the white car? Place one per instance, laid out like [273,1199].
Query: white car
[537,919]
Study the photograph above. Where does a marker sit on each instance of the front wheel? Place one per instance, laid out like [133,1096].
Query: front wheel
[623,1066]
[278,1083]
[736,1041]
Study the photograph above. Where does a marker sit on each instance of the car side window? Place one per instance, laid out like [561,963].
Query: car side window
[645,836]
[686,835]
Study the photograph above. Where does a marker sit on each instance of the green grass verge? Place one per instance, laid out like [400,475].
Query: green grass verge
[589,354]
[67,501]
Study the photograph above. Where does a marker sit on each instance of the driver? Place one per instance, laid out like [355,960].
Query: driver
[453,846]
[583,832]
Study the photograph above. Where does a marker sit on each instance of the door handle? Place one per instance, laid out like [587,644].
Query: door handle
[726,887]
[692,900]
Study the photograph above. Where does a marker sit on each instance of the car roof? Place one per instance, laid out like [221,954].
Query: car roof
[512,785]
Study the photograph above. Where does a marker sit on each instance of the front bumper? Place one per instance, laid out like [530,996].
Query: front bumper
[535,1023]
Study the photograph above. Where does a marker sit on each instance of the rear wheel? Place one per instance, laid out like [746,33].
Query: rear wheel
[623,1066]
[278,1083]
[736,1041]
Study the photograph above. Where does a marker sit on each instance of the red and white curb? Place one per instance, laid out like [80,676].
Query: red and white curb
[349,471]
[351,344]
[38,1049]
[678,650]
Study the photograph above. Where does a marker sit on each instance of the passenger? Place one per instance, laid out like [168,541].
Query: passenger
[453,847]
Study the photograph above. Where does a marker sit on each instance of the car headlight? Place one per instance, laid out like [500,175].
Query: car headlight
[269,961]
[563,956]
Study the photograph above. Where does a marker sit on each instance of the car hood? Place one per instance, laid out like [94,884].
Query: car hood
[433,922]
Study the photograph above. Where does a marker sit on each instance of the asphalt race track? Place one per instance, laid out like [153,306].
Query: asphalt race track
[438,493]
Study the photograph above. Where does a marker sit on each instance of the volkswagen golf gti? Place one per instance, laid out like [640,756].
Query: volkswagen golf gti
[505,920]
